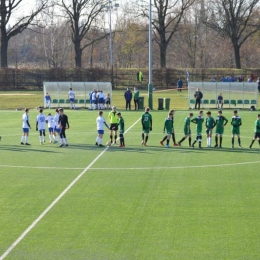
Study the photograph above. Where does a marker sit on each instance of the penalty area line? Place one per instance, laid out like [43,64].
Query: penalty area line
[22,236]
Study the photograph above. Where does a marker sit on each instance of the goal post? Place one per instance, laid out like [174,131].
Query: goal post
[58,92]
[235,94]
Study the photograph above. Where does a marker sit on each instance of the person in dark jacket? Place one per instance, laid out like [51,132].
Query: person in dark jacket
[128,98]
[198,96]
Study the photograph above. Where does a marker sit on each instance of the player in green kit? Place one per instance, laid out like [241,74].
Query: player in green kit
[221,121]
[121,128]
[198,121]
[257,131]
[236,122]
[146,121]
[187,131]
[173,133]
[168,125]
[210,124]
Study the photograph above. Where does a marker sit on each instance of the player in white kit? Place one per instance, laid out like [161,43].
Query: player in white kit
[71,97]
[26,126]
[51,125]
[100,128]
[41,125]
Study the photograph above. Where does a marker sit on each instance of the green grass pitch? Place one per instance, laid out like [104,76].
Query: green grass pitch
[131,203]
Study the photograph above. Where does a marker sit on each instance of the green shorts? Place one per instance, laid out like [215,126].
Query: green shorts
[209,131]
[146,130]
[219,130]
[235,131]
[187,131]
[168,131]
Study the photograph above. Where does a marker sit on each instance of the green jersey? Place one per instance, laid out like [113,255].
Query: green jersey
[198,121]
[187,126]
[236,121]
[257,126]
[136,94]
[210,122]
[146,120]
[220,121]
[168,125]
[121,125]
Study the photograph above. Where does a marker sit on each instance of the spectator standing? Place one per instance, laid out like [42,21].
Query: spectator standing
[198,97]
[128,98]
[220,101]
[136,98]
[179,84]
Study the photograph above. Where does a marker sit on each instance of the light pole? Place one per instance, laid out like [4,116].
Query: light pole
[150,85]
[109,7]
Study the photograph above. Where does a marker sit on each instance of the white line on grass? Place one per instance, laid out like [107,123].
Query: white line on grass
[177,167]
[135,168]
[7,252]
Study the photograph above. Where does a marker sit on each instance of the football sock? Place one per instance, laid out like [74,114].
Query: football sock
[143,136]
[173,138]
[146,139]
[183,138]
[232,140]
[167,142]
[26,139]
[239,141]
[189,141]
[216,140]
[97,139]
[253,142]
[199,143]
[111,138]
[123,141]
[40,139]
[259,142]
[50,136]
[209,141]
[115,137]
[22,138]
[165,137]
[220,140]
[66,141]
[194,142]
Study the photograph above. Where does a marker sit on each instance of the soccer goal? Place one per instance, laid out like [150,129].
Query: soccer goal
[58,92]
[235,94]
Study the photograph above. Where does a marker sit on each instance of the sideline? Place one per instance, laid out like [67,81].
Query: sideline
[22,236]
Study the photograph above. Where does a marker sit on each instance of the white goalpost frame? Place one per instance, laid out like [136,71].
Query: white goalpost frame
[58,91]
[235,94]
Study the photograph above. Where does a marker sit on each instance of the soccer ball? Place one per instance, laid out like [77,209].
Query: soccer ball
[108,143]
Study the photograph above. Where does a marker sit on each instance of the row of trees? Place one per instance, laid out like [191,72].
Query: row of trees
[186,33]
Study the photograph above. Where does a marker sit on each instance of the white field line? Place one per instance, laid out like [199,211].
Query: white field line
[135,168]
[20,238]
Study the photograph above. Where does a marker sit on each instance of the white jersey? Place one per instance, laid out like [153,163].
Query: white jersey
[100,123]
[41,119]
[51,122]
[94,96]
[25,118]
[71,94]
[56,119]
[101,95]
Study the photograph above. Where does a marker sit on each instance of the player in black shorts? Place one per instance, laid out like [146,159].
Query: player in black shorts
[62,123]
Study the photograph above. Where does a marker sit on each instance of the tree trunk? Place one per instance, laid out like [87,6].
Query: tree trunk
[237,55]
[4,38]
[78,53]
[163,49]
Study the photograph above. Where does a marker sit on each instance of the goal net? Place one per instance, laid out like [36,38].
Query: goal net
[235,94]
[58,92]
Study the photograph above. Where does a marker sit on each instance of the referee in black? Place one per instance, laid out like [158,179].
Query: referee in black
[63,122]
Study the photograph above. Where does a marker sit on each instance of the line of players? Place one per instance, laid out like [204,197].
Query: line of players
[210,123]
[57,125]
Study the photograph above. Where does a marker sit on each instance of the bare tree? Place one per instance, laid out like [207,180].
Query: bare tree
[235,19]
[8,31]
[81,15]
